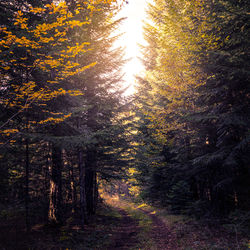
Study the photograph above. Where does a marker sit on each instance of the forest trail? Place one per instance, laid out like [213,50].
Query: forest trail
[122,225]
[160,233]
[145,227]
[125,235]
[141,229]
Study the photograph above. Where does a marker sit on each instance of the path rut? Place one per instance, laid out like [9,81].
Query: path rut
[125,236]
[162,236]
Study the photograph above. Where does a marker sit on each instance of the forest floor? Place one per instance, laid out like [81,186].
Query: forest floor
[158,229]
[122,225]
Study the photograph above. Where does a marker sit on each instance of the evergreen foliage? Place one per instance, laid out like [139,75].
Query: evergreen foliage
[60,99]
[193,106]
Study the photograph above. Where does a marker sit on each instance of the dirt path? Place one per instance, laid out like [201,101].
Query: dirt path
[125,235]
[146,230]
[164,239]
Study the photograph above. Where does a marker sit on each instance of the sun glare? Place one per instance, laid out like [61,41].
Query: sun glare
[135,12]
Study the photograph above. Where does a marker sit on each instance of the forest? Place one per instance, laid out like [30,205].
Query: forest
[85,166]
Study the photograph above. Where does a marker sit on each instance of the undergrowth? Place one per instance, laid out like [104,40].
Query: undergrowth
[96,235]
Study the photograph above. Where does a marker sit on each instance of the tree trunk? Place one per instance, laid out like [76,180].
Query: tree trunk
[27,197]
[90,179]
[55,196]
[90,190]
[82,189]
[91,154]
[46,182]
[96,193]
[72,189]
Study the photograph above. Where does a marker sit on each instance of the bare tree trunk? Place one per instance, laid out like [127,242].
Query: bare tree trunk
[46,183]
[73,189]
[82,189]
[91,181]
[55,196]
[27,196]
[96,193]
[89,190]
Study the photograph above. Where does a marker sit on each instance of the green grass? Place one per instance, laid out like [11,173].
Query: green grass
[144,222]
[190,233]
[145,226]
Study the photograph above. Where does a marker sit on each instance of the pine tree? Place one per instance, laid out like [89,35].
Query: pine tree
[54,107]
[192,99]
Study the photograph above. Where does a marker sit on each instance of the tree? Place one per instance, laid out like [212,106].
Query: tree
[44,56]
[189,109]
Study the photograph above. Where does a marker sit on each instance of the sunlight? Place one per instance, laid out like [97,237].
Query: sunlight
[135,11]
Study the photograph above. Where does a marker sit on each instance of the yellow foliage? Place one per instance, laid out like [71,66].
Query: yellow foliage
[41,36]
[55,120]
[6,68]
[132,171]
[134,190]
[142,205]
[37,10]
[8,132]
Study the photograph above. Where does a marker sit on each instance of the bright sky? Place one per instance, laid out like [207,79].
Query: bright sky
[132,27]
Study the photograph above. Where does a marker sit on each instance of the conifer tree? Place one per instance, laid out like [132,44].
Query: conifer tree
[53,106]
[190,115]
